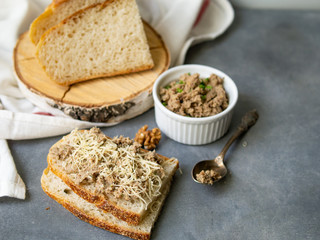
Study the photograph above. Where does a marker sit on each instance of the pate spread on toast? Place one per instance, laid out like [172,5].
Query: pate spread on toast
[114,174]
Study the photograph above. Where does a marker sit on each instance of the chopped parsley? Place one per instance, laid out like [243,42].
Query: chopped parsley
[201,85]
[179,90]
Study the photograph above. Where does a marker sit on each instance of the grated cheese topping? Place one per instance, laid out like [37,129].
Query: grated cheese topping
[116,166]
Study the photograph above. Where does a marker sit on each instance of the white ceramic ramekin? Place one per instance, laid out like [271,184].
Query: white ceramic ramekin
[187,130]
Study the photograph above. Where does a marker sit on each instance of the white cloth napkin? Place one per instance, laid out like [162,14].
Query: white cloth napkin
[11,183]
[181,23]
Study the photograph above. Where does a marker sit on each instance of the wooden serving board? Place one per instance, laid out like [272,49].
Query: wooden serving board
[108,100]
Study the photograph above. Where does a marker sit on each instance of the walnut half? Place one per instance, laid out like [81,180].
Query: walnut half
[149,139]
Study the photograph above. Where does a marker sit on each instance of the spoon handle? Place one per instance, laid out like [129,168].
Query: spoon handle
[247,121]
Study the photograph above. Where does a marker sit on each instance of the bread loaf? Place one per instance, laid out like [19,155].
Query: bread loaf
[102,40]
[59,191]
[57,11]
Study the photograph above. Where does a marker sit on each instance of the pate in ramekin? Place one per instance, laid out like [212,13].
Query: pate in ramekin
[193,130]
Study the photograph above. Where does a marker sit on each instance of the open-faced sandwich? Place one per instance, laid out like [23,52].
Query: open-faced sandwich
[111,183]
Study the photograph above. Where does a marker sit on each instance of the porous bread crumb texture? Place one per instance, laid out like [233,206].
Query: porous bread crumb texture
[102,40]
[88,212]
[54,14]
[133,208]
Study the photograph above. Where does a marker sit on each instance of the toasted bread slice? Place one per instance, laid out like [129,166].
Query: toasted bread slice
[59,191]
[101,40]
[131,210]
[57,11]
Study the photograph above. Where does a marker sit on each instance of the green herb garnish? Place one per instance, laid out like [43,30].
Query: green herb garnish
[208,87]
[189,74]
[164,104]
[181,82]
[201,85]
[167,87]
[203,97]
[179,90]
[207,79]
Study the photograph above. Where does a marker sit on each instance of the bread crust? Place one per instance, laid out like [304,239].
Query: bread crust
[56,3]
[99,200]
[53,8]
[92,220]
[33,27]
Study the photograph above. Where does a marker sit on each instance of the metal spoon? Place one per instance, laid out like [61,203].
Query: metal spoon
[219,169]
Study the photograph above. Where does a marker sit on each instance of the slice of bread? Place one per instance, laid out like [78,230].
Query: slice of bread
[57,11]
[102,40]
[59,191]
[130,210]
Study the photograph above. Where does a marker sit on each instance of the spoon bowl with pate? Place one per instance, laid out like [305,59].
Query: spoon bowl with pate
[211,171]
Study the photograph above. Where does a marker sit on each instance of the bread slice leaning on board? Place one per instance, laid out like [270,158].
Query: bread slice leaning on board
[131,210]
[57,11]
[101,40]
[59,191]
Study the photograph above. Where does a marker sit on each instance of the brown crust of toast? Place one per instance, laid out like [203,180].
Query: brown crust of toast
[40,43]
[94,221]
[100,201]
[56,3]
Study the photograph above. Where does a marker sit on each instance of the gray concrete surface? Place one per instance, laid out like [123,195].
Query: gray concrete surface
[273,188]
